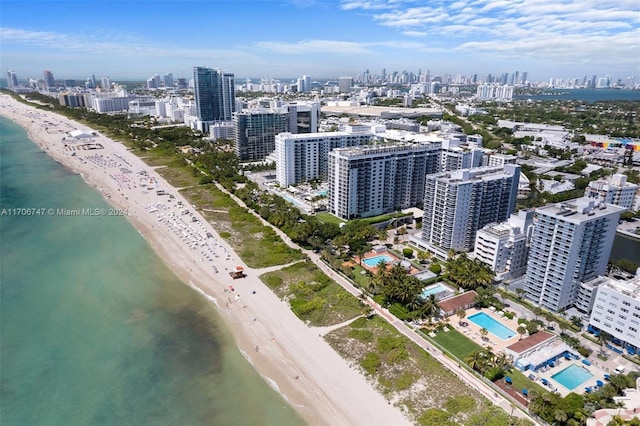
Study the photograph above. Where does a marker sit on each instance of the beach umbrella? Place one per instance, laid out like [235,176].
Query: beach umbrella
[507,379]
[545,381]
[525,392]
[606,377]
[599,383]
[587,389]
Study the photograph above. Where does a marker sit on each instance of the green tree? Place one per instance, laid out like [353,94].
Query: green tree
[461,313]
[522,330]
[484,332]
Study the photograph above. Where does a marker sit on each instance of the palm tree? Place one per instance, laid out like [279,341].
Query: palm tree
[537,311]
[563,327]
[461,313]
[521,331]
[521,292]
[430,307]
[476,360]
[602,339]
[484,332]
[560,416]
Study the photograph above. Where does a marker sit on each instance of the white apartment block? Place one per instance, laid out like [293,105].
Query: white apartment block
[369,181]
[302,157]
[458,203]
[570,245]
[494,92]
[498,160]
[455,156]
[615,190]
[505,246]
[616,311]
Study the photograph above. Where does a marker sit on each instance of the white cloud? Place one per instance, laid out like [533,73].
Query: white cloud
[314,46]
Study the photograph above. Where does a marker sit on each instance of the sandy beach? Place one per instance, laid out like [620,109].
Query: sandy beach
[292,357]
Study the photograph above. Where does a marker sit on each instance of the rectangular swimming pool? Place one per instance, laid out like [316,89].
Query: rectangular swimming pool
[372,262]
[572,376]
[493,326]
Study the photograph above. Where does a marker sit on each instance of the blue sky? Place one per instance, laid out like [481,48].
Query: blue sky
[324,39]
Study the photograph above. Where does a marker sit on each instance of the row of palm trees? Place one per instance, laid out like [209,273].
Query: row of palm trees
[486,359]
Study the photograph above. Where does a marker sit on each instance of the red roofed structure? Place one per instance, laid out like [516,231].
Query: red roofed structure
[464,301]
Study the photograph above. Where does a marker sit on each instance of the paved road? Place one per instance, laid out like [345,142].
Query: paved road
[403,328]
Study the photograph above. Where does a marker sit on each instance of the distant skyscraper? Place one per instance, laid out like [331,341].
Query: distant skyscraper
[215,94]
[524,77]
[168,80]
[106,83]
[12,79]
[48,79]
[571,244]
[345,84]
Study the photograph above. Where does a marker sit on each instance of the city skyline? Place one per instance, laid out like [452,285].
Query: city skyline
[324,39]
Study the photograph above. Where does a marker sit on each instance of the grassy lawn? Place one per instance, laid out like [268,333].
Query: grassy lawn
[457,343]
[179,177]
[312,295]
[329,218]
[409,376]
[521,381]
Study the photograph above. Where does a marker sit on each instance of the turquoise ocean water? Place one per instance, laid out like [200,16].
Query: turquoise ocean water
[94,329]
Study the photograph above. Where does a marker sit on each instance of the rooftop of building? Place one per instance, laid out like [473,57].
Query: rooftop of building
[474,174]
[531,341]
[579,209]
[460,301]
[378,149]
[629,288]
[379,111]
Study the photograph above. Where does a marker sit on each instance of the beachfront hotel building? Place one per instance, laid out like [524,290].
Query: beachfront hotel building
[505,246]
[615,190]
[303,157]
[214,96]
[255,131]
[570,245]
[616,311]
[458,203]
[368,181]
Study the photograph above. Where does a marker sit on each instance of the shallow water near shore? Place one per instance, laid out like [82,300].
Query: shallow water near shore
[94,329]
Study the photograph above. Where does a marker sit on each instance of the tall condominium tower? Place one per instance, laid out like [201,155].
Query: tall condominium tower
[303,157]
[345,84]
[215,94]
[571,244]
[614,190]
[369,181]
[12,79]
[49,81]
[458,203]
[255,131]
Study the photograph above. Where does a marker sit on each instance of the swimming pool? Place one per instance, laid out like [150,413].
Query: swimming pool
[433,289]
[372,262]
[572,376]
[493,326]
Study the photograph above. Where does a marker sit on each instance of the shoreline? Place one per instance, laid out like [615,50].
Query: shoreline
[292,358]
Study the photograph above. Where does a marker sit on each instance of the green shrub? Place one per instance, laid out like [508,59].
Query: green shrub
[460,404]
[494,373]
[224,234]
[509,315]
[435,416]
[407,252]
[370,363]
[362,335]
[583,351]
[435,268]
[405,381]
[273,281]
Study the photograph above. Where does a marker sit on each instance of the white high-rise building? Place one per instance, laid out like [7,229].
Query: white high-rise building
[303,157]
[571,244]
[369,181]
[505,246]
[616,311]
[615,190]
[458,203]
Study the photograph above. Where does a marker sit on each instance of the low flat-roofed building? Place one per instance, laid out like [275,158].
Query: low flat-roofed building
[465,300]
[537,350]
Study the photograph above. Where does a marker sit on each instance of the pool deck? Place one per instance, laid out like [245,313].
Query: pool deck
[472,331]
[374,269]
